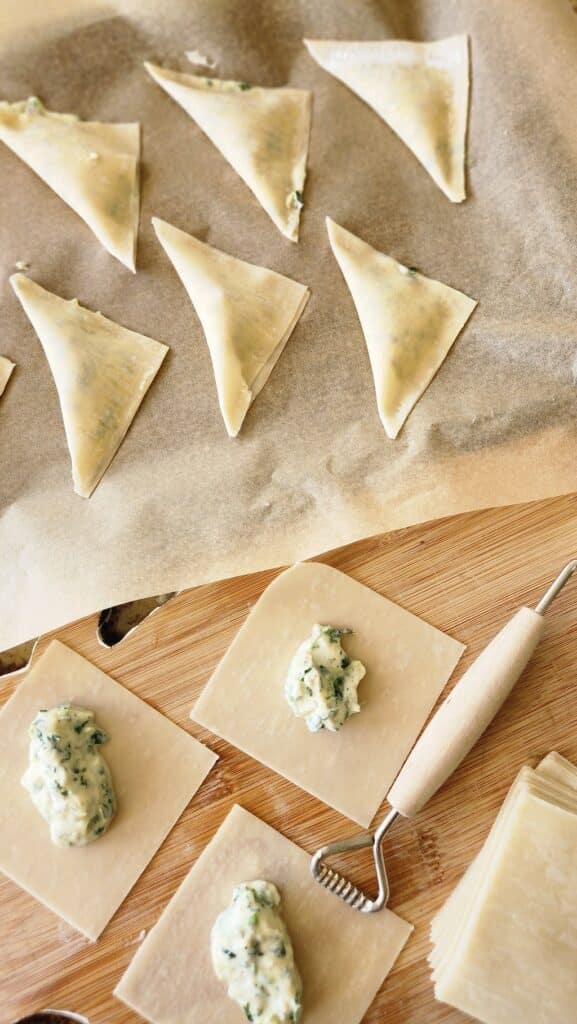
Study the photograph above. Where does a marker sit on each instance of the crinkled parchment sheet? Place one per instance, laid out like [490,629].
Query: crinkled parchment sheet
[182,504]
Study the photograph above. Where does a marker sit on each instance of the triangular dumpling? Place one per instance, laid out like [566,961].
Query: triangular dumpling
[94,167]
[420,89]
[247,312]
[409,322]
[102,372]
[6,367]
[263,133]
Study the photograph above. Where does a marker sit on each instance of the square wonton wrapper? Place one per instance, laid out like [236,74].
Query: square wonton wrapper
[343,956]
[408,663]
[156,769]
[504,942]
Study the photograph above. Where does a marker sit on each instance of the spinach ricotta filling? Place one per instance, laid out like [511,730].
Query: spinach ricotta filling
[67,778]
[252,953]
[322,681]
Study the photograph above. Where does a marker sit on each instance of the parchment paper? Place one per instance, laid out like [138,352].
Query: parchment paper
[181,503]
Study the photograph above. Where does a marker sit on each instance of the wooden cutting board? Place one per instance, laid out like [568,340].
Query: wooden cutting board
[466,575]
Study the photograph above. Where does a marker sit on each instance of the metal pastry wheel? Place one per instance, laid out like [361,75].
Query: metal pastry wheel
[451,734]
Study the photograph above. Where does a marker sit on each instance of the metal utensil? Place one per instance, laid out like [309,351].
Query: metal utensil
[119,622]
[454,730]
[53,1017]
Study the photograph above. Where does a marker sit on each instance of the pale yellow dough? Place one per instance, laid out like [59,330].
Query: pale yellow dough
[263,133]
[157,768]
[505,942]
[409,321]
[407,665]
[102,372]
[421,90]
[248,313]
[6,368]
[343,956]
[92,166]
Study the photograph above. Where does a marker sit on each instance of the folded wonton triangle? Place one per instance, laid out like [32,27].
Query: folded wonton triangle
[263,133]
[92,166]
[409,322]
[248,314]
[420,89]
[6,367]
[101,370]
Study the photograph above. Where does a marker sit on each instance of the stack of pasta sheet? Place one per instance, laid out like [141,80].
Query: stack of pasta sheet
[505,942]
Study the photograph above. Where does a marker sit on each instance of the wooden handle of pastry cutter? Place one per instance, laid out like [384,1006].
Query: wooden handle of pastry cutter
[466,713]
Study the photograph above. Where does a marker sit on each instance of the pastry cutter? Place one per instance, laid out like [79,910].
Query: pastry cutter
[450,735]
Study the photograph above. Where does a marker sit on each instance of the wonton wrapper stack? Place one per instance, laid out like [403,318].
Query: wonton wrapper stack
[505,942]
[263,133]
[248,313]
[343,956]
[94,167]
[102,372]
[6,368]
[408,663]
[420,89]
[409,322]
[156,769]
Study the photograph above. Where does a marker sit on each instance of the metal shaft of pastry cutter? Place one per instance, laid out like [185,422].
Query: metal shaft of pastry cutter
[461,719]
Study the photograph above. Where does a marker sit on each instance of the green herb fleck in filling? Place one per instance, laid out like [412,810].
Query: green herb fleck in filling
[34,105]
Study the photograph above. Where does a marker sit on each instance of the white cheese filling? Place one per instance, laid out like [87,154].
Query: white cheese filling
[68,779]
[253,954]
[322,681]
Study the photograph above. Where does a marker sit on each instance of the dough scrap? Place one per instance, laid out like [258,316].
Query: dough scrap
[248,313]
[93,166]
[505,942]
[156,766]
[263,133]
[343,956]
[102,372]
[408,663]
[409,321]
[6,368]
[421,90]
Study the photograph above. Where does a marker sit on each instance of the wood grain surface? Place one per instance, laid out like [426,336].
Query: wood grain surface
[466,575]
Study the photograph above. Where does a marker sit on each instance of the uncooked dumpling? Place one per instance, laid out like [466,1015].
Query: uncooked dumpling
[409,322]
[92,166]
[102,372]
[263,133]
[247,312]
[420,89]
[6,367]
